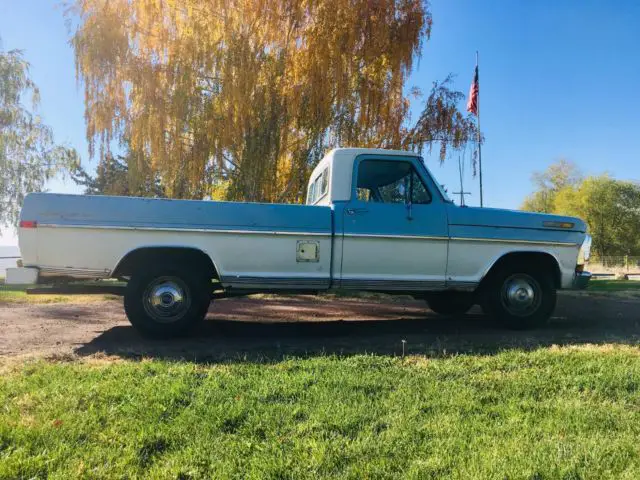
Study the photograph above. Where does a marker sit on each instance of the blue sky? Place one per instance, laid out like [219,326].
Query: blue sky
[557,79]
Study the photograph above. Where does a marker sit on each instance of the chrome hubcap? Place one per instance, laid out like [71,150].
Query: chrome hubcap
[166,299]
[521,294]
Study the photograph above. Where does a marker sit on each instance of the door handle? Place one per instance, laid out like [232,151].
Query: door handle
[356,211]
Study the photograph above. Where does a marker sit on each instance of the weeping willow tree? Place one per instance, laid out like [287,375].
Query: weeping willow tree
[29,155]
[240,98]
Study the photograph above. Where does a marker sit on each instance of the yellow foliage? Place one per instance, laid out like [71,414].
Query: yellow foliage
[246,91]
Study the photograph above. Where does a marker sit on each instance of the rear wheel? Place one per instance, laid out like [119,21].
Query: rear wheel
[450,303]
[520,297]
[168,301]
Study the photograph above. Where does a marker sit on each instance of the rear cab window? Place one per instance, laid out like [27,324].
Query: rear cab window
[319,187]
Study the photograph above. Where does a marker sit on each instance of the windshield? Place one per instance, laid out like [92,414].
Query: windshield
[438,186]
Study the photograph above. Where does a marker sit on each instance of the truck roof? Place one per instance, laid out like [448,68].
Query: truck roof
[341,160]
[373,151]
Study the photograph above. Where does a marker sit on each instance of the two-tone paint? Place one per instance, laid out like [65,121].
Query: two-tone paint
[335,241]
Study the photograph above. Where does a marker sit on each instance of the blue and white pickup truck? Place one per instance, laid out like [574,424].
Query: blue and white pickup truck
[374,220]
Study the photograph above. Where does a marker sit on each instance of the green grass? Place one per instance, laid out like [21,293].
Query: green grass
[571,413]
[16,294]
[613,285]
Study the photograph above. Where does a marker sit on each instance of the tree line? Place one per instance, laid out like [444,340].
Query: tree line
[610,207]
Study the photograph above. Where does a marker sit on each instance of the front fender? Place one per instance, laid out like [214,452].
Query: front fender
[471,260]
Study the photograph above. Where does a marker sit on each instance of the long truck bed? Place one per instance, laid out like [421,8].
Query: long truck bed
[249,243]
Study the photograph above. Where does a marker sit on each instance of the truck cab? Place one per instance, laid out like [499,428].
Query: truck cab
[390,216]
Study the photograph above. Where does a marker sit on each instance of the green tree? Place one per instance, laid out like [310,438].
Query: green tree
[548,184]
[610,207]
[28,154]
[113,177]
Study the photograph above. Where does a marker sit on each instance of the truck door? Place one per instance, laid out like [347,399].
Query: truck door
[395,227]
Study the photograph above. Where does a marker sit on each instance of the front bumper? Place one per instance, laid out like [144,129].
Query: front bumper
[581,280]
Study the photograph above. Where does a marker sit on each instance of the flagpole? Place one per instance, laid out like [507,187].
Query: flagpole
[479,136]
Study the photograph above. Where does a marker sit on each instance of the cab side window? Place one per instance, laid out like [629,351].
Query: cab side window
[390,182]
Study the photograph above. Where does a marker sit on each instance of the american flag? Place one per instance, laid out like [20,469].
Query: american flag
[472,104]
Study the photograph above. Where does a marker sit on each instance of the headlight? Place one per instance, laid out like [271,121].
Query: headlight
[585,251]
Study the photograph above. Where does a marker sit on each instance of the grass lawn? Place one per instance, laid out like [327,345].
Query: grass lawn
[613,285]
[18,294]
[571,413]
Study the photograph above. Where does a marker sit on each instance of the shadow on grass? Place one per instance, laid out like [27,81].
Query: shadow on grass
[578,321]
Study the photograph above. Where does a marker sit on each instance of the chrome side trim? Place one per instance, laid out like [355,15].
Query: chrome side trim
[48,271]
[506,240]
[303,234]
[306,283]
[512,227]
[459,239]
[275,282]
[408,285]
[180,229]
[403,237]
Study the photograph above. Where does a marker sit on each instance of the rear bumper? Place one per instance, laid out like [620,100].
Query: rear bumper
[21,276]
[40,274]
[581,280]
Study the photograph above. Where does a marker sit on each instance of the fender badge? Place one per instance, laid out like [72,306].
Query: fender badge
[559,224]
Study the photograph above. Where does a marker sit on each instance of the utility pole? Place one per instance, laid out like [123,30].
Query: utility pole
[462,193]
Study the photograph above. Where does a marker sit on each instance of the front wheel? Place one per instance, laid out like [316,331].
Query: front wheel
[166,302]
[520,297]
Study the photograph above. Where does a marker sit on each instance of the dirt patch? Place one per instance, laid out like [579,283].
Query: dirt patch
[265,329]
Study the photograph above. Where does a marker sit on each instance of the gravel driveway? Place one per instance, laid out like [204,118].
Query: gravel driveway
[268,329]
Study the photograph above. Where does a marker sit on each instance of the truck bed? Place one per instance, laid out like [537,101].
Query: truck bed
[87,236]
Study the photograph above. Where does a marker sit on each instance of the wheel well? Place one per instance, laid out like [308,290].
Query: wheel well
[141,257]
[540,260]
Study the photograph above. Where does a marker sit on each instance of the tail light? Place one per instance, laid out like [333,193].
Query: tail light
[28,224]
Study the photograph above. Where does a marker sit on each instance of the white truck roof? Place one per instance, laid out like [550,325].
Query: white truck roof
[340,161]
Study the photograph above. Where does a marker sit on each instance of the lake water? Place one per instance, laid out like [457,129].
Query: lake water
[8,262]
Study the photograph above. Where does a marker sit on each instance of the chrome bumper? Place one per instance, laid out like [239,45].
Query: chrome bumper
[581,280]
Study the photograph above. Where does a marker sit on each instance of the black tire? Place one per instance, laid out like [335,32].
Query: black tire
[450,303]
[520,297]
[165,302]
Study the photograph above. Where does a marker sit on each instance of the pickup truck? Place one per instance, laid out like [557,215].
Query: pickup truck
[374,220]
